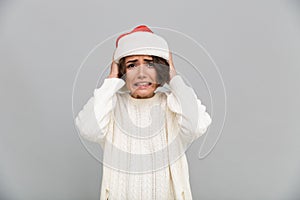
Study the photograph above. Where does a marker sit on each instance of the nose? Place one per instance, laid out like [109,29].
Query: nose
[142,72]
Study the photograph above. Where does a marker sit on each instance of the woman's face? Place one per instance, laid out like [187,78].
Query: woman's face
[140,76]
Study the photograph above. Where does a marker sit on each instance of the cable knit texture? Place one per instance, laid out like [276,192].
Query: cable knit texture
[144,140]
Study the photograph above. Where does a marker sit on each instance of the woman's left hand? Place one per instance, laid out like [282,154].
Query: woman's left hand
[172,68]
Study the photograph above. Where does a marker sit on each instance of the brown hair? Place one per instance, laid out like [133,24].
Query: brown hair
[160,65]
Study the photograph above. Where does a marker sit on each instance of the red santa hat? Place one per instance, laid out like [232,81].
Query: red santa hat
[141,41]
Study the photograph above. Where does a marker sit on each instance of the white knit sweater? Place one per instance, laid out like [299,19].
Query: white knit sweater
[144,140]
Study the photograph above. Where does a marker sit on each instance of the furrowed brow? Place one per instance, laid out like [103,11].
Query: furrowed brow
[131,61]
[148,60]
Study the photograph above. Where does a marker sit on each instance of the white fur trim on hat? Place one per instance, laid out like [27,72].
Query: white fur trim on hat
[141,43]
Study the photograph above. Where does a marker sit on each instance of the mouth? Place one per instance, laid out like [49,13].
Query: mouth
[142,85]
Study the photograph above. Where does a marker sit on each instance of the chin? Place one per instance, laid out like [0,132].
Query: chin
[143,95]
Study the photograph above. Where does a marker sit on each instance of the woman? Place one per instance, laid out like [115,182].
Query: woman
[143,131]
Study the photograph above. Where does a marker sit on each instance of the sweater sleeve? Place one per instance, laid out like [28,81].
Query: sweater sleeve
[191,115]
[93,120]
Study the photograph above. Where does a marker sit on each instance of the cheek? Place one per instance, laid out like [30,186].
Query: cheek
[129,80]
[128,83]
[153,76]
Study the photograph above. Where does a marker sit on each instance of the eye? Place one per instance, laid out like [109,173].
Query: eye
[150,64]
[130,66]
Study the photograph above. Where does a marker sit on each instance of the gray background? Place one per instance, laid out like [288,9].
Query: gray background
[255,44]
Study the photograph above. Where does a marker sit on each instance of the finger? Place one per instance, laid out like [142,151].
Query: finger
[171,60]
[114,68]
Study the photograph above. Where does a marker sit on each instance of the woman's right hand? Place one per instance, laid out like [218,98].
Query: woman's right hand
[114,70]
[171,64]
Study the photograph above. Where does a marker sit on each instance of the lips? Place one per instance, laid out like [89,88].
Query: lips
[137,84]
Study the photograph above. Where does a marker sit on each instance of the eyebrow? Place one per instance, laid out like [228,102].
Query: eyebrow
[129,61]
